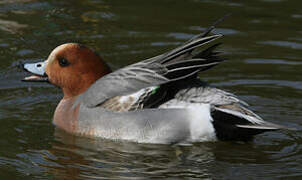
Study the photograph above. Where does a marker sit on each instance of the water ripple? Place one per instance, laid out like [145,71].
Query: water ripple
[293,45]
[267,83]
[271,61]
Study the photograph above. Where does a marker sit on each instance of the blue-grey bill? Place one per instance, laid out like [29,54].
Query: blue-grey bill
[38,71]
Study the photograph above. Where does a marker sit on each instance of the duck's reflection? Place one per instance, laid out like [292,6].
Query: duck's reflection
[73,157]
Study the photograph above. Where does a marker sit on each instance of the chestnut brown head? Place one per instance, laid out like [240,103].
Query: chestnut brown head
[72,67]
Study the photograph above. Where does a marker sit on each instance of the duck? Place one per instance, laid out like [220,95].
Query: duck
[158,100]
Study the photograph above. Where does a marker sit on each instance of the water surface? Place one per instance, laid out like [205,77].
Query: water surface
[263,42]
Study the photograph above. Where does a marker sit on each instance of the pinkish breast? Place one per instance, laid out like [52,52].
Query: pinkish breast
[66,116]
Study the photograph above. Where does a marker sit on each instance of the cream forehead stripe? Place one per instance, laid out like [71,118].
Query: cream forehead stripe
[54,52]
[52,55]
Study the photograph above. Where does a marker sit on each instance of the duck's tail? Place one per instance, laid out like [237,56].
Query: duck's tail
[235,122]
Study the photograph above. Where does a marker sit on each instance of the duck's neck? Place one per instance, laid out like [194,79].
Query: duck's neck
[66,116]
[79,85]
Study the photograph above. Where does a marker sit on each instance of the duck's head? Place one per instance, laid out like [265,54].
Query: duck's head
[72,67]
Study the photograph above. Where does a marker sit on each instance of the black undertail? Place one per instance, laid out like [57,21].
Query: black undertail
[226,129]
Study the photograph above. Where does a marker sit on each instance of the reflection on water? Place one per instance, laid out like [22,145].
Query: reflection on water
[289,44]
[272,61]
[262,42]
[10,26]
[83,157]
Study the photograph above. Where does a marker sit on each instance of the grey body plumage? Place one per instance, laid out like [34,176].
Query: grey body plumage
[161,100]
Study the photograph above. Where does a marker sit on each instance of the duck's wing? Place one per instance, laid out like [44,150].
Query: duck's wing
[134,101]
[177,64]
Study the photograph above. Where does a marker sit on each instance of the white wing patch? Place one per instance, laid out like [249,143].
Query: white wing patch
[127,102]
[139,93]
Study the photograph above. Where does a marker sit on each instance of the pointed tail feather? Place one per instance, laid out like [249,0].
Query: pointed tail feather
[266,126]
[240,123]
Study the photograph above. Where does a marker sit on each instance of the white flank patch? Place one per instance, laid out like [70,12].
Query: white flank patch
[200,119]
[201,123]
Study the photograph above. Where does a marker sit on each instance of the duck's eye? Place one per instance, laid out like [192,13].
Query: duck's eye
[63,62]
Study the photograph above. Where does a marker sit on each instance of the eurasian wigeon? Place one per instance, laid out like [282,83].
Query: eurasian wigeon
[158,100]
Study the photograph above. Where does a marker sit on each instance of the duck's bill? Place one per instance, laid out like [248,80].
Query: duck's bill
[37,70]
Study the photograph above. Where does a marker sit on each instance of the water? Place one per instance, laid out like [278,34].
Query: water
[263,42]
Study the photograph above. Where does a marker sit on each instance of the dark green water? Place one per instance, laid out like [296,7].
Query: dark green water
[263,42]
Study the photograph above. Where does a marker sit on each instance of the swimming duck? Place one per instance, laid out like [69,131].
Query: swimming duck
[157,100]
